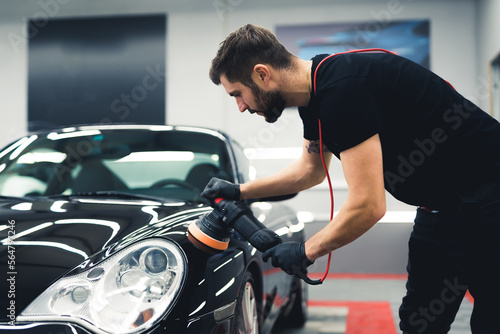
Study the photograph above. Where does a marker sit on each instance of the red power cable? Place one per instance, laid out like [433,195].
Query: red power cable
[331,193]
[321,142]
[321,138]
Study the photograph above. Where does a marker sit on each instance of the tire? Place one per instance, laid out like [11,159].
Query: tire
[246,316]
[295,315]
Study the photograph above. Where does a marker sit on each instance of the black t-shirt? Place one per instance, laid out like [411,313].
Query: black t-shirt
[435,143]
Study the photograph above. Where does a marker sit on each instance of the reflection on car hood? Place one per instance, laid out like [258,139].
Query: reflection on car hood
[51,237]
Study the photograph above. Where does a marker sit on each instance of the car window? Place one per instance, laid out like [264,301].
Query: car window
[30,173]
[155,166]
[174,164]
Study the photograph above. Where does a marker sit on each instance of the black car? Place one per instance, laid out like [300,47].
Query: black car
[94,239]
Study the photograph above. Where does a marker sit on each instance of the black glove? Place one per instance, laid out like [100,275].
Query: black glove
[220,188]
[291,258]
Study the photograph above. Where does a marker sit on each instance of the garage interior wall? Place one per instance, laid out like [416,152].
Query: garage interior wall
[95,70]
[464,40]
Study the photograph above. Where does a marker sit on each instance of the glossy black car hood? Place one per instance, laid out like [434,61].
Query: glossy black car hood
[51,237]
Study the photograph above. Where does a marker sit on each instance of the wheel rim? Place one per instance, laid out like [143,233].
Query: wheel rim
[249,310]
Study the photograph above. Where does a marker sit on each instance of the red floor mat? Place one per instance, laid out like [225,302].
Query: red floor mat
[364,317]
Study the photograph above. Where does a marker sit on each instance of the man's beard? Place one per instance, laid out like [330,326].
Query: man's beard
[271,104]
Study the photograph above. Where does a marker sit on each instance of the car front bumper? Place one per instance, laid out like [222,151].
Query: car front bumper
[205,324]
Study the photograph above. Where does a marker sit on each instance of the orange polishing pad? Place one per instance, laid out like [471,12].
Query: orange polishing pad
[205,242]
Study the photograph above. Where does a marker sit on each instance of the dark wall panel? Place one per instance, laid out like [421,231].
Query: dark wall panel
[98,70]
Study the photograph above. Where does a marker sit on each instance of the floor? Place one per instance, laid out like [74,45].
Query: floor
[363,304]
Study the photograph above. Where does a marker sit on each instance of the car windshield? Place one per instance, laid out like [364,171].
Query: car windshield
[168,164]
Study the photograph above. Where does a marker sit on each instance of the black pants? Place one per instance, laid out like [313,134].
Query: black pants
[449,252]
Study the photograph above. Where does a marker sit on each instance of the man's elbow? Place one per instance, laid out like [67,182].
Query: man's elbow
[375,211]
[310,178]
[370,207]
[318,180]
[317,177]
[379,213]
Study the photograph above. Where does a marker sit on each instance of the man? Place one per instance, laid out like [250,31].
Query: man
[395,126]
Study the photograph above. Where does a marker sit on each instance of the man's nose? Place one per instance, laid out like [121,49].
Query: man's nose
[242,106]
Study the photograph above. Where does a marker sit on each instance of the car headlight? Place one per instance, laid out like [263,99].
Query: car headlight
[128,292]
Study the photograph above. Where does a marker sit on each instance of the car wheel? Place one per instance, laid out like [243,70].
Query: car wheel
[295,315]
[246,316]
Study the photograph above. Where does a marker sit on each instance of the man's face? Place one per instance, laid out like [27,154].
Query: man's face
[268,104]
[271,104]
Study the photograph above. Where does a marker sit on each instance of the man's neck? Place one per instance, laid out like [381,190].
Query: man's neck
[296,84]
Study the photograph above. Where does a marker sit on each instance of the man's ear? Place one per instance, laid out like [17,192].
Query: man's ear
[261,73]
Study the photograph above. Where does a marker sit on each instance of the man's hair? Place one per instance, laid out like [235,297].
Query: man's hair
[243,49]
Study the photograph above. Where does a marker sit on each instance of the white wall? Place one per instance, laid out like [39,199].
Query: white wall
[196,27]
[13,84]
